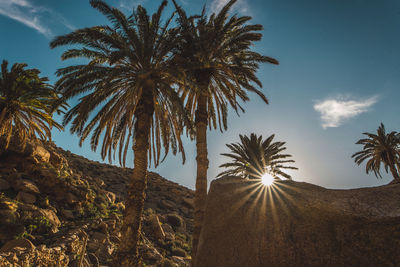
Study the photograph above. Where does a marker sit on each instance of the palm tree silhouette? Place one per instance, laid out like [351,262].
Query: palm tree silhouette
[26,105]
[216,55]
[127,83]
[253,157]
[380,148]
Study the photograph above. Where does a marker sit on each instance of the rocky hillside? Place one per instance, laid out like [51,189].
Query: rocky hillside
[56,206]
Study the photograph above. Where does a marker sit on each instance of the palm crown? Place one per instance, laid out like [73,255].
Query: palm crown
[380,148]
[253,157]
[130,63]
[216,56]
[26,105]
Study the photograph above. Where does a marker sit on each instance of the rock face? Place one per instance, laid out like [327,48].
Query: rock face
[299,224]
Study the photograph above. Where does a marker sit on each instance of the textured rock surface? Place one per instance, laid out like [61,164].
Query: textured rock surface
[299,224]
[55,199]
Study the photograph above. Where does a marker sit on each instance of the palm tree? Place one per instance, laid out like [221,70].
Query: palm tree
[127,82]
[253,157]
[26,102]
[220,67]
[380,148]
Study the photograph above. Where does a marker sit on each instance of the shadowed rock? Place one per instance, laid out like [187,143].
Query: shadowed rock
[299,224]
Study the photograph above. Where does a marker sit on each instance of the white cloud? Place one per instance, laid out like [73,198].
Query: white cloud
[32,16]
[240,6]
[335,111]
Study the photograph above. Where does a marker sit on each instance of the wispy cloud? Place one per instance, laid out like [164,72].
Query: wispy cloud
[32,15]
[335,111]
[240,6]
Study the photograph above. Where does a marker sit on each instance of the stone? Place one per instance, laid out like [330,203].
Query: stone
[67,214]
[298,224]
[8,217]
[4,185]
[71,198]
[174,220]
[93,246]
[189,202]
[26,186]
[55,159]
[99,237]
[51,216]
[17,243]
[178,252]
[167,204]
[39,153]
[26,197]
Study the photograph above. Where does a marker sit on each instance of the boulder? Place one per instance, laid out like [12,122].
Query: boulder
[167,204]
[299,224]
[38,152]
[189,202]
[174,220]
[51,216]
[56,159]
[26,186]
[26,197]
[4,185]
[17,243]
[67,214]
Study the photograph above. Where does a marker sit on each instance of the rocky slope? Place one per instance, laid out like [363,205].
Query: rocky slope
[299,224]
[56,206]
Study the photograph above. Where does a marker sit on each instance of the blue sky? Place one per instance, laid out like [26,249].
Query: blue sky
[338,77]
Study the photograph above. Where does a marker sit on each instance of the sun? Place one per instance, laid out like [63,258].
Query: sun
[267,179]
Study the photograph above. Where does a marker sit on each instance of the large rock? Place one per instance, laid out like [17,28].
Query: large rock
[17,243]
[26,186]
[299,224]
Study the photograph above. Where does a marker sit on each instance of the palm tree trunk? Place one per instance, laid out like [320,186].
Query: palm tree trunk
[127,254]
[394,171]
[200,197]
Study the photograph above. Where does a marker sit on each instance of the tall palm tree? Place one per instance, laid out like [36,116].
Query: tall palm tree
[26,102]
[221,68]
[380,148]
[127,83]
[253,157]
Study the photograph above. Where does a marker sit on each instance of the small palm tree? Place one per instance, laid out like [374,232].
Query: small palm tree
[253,157]
[380,148]
[217,57]
[128,84]
[26,105]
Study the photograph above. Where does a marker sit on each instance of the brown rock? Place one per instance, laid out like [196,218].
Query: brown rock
[8,217]
[17,243]
[26,186]
[71,198]
[299,224]
[189,202]
[26,197]
[55,159]
[51,216]
[39,153]
[67,214]
[99,237]
[174,220]
[4,185]
[167,204]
